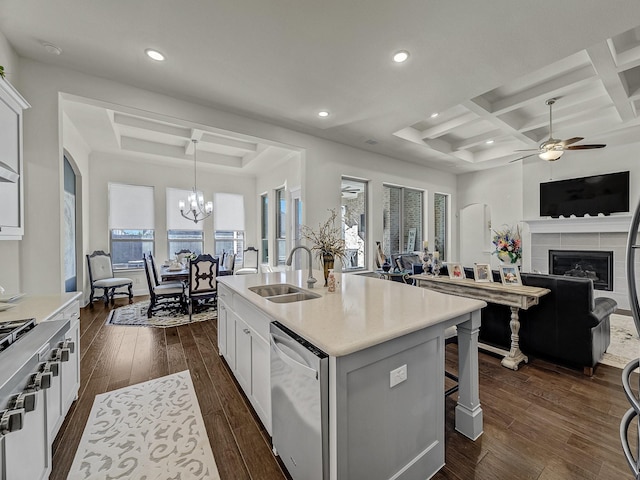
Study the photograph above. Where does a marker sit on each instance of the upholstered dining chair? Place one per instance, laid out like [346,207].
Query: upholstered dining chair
[101,277]
[249,262]
[203,287]
[229,263]
[154,270]
[183,253]
[167,296]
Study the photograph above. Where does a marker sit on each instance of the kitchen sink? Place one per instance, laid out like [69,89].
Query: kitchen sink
[283,293]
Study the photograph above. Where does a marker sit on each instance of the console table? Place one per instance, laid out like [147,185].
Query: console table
[515,296]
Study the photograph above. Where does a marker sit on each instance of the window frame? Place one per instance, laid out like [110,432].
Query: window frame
[172,250]
[365,216]
[264,227]
[131,264]
[402,222]
[281,226]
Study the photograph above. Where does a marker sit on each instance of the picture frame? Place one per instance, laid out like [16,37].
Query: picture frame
[482,272]
[510,275]
[456,272]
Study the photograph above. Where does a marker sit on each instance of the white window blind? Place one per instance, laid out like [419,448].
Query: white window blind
[175,221]
[228,211]
[130,207]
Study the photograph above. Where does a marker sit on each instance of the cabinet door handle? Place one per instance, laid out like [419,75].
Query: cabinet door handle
[25,401]
[68,343]
[11,421]
[246,330]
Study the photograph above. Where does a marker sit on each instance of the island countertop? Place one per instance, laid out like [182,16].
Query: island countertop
[363,311]
[40,307]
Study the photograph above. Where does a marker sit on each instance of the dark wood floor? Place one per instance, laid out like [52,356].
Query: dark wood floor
[541,422]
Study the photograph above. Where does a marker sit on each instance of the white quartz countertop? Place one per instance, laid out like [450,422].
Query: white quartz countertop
[363,311]
[40,307]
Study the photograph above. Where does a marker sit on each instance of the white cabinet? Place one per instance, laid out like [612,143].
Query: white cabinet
[26,452]
[11,164]
[245,346]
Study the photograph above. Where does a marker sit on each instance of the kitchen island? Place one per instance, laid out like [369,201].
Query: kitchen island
[376,334]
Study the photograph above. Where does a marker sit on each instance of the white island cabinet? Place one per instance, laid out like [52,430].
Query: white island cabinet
[385,346]
[243,333]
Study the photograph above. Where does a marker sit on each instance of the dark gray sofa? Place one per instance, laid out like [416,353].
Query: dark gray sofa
[569,326]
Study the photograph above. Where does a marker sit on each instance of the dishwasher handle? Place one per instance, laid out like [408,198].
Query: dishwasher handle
[308,371]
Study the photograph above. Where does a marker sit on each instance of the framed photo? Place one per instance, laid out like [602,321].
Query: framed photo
[510,275]
[482,272]
[455,270]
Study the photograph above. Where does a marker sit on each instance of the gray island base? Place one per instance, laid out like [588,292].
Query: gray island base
[378,334]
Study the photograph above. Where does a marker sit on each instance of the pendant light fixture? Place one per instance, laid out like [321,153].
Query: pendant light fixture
[197,210]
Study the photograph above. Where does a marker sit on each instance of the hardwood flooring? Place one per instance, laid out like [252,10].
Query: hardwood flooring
[541,422]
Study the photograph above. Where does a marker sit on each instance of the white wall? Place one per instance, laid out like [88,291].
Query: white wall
[325,161]
[9,249]
[500,189]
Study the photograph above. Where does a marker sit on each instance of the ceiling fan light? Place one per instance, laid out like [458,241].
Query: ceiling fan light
[551,155]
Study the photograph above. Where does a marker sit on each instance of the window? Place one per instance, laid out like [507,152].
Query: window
[441,223]
[182,233]
[131,224]
[264,227]
[354,221]
[228,210]
[402,221]
[281,227]
[192,240]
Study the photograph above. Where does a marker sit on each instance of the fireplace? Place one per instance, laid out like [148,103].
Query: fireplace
[596,265]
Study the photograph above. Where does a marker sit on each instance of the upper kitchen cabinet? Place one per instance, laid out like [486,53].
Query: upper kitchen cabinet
[11,163]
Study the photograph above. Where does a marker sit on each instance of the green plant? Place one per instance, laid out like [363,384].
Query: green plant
[2,71]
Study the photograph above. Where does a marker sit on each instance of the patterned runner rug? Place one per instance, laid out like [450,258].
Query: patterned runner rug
[136,315]
[625,345]
[153,431]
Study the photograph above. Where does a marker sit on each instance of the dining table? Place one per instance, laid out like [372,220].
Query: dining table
[170,274]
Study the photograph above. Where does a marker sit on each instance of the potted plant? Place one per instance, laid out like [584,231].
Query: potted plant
[327,241]
[508,244]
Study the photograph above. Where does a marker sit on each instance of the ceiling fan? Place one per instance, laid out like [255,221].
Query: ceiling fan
[552,149]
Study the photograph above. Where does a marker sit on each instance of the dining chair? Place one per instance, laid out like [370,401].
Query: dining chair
[229,263]
[101,277]
[203,286]
[249,262]
[183,253]
[168,296]
[154,270]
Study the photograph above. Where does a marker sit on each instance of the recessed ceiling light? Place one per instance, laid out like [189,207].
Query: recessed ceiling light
[154,54]
[323,114]
[489,142]
[400,56]
[51,48]
[434,115]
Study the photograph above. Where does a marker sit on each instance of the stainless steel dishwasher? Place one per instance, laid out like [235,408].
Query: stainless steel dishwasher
[299,404]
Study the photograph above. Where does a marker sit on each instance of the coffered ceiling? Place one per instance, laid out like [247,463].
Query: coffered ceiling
[486,68]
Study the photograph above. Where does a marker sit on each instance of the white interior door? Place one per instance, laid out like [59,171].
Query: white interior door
[475,234]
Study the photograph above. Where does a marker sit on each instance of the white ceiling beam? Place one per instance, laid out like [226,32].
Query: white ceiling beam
[189,146]
[150,125]
[545,90]
[478,106]
[229,142]
[446,127]
[114,127]
[561,115]
[603,61]
[477,140]
[177,152]
[253,156]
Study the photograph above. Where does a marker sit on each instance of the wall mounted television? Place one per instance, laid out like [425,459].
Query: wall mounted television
[606,194]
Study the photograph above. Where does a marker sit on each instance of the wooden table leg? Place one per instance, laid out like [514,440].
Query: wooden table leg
[468,410]
[515,354]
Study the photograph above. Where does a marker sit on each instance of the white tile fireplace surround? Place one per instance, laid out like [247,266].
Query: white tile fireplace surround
[584,233]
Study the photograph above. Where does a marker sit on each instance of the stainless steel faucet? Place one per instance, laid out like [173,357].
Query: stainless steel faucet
[310,280]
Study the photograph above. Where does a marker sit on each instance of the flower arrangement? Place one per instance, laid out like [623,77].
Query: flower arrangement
[508,244]
[327,239]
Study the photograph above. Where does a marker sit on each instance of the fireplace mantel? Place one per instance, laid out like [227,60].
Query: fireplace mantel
[611,223]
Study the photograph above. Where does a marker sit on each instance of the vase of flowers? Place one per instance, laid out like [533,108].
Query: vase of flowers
[507,244]
[328,244]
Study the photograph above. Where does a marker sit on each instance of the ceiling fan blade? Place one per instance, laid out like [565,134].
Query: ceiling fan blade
[522,158]
[569,141]
[586,147]
[528,150]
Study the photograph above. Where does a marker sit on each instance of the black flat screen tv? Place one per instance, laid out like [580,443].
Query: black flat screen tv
[606,194]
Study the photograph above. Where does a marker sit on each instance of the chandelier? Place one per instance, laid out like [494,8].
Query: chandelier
[197,210]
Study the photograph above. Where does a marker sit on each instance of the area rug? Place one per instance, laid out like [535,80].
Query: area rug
[136,315]
[152,430]
[625,345]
